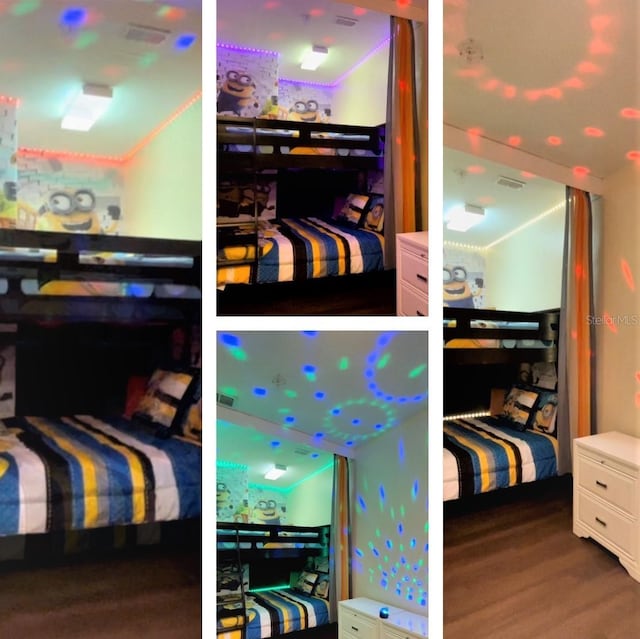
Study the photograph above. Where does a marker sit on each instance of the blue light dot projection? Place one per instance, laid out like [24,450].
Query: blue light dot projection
[185,41]
[399,562]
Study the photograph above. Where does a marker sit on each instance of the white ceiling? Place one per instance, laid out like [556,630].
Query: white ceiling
[42,63]
[469,179]
[556,78]
[288,27]
[369,383]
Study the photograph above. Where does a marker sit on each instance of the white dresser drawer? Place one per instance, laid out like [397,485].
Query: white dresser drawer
[608,483]
[610,528]
[356,625]
[412,303]
[414,269]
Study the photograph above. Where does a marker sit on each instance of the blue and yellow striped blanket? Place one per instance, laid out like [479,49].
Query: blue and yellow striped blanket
[73,473]
[481,455]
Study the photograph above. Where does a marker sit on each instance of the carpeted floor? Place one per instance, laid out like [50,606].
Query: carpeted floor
[149,592]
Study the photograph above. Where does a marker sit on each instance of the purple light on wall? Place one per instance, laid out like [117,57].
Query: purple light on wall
[236,47]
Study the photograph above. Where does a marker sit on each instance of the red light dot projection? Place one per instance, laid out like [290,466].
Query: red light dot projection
[486,200]
[579,271]
[627,274]
[509,92]
[359,11]
[269,6]
[633,155]
[476,169]
[581,171]
[316,13]
[593,132]
[554,140]
[514,140]
[574,333]
[527,174]
[630,113]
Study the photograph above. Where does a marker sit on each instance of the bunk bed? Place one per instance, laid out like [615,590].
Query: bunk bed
[256,596]
[501,429]
[82,309]
[303,236]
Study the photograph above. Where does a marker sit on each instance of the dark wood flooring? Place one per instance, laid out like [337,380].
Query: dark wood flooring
[150,592]
[372,294]
[512,568]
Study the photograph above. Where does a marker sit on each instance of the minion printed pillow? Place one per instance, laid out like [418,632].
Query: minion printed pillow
[518,407]
[162,402]
[543,419]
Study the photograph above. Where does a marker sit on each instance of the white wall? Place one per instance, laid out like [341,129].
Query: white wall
[309,503]
[524,272]
[163,182]
[618,346]
[362,97]
[397,462]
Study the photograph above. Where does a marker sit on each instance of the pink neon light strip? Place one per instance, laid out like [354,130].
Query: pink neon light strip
[110,159]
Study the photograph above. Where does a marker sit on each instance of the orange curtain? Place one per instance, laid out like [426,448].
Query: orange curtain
[340,553]
[406,205]
[576,367]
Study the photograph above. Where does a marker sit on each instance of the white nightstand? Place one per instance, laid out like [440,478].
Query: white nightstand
[359,617]
[404,625]
[412,268]
[605,494]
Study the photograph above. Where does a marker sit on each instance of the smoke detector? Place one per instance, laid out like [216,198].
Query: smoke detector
[470,51]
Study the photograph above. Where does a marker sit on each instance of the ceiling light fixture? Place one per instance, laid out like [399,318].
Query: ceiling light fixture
[462,218]
[277,471]
[87,107]
[314,57]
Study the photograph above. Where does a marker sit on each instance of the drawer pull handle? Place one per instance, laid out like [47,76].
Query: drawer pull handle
[354,628]
[419,313]
[421,277]
[599,483]
[602,523]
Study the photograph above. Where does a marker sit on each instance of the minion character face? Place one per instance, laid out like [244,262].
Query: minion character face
[236,92]
[70,212]
[305,111]
[223,497]
[265,512]
[544,419]
[455,288]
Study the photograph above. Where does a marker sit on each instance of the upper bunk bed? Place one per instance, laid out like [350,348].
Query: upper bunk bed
[46,276]
[257,143]
[484,336]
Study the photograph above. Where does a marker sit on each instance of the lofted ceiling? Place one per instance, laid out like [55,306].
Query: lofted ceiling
[288,27]
[469,179]
[46,57]
[558,80]
[314,391]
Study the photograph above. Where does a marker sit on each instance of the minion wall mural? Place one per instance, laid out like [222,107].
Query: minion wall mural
[463,283]
[232,492]
[304,103]
[267,506]
[68,196]
[8,165]
[247,82]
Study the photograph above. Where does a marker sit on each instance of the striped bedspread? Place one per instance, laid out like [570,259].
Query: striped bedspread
[73,473]
[306,248]
[278,612]
[480,455]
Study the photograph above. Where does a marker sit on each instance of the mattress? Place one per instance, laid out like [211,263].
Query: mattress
[279,612]
[481,455]
[299,249]
[81,472]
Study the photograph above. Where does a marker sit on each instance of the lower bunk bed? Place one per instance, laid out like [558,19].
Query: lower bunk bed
[299,249]
[82,472]
[485,454]
[278,612]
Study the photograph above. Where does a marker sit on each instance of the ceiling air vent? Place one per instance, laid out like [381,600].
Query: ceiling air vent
[225,400]
[510,183]
[345,21]
[301,451]
[148,35]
